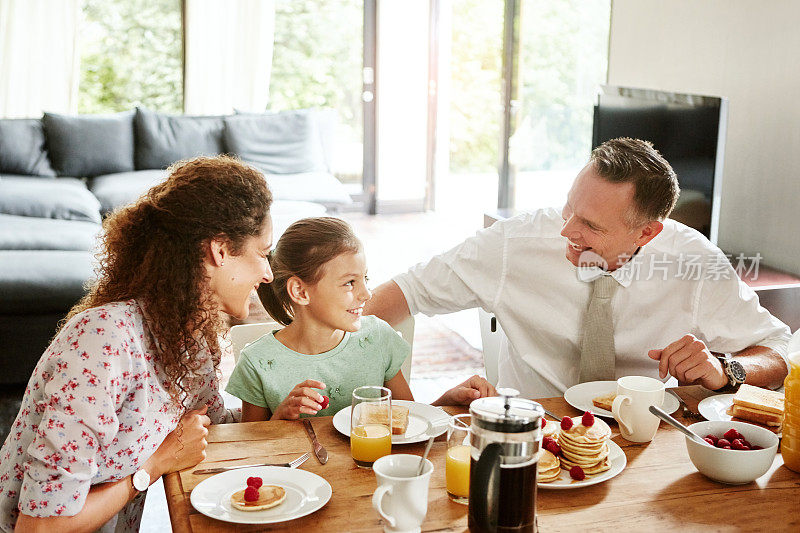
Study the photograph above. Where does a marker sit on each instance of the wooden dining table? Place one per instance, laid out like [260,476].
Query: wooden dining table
[659,489]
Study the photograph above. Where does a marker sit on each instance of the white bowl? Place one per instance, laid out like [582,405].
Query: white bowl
[733,466]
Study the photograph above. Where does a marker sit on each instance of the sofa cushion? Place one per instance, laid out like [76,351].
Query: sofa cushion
[279,143]
[61,198]
[90,145]
[42,281]
[319,187]
[115,190]
[22,148]
[163,139]
[30,233]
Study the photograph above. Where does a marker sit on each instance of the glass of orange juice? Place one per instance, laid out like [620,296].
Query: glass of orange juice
[458,458]
[370,425]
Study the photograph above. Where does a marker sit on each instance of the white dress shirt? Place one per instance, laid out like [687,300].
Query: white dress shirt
[678,283]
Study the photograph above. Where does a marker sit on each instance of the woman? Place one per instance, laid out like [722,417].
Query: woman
[124,392]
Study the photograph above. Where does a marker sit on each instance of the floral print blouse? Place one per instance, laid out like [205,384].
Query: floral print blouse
[95,409]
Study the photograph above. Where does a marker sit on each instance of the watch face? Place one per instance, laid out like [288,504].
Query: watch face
[737,371]
[141,480]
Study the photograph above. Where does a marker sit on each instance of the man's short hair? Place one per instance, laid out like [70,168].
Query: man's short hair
[626,160]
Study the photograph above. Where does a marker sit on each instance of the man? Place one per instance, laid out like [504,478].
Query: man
[638,294]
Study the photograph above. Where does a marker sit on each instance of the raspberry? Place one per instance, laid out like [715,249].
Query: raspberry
[544,422]
[566,423]
[711,442]
[756,447]
[587,419]
[251,494]
[721,443]
[553,447]
[737,444]
[547,441]
[726,447]
[746,443]
[254,482]
[732,435]
[325,402]
[577,473]
[713,438]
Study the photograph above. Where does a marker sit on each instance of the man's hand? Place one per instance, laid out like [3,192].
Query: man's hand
[472,389]
[302,399]
[690,361]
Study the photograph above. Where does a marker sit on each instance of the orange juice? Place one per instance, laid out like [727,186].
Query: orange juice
[370,442]
[457,471]
[790,443]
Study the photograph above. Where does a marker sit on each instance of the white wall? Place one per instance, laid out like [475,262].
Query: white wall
[747,51]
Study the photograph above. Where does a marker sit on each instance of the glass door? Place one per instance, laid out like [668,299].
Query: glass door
[561,60]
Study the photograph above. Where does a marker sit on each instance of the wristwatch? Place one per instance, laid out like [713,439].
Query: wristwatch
[734,371]
[141,480]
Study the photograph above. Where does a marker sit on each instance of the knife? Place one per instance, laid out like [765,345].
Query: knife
[319,449]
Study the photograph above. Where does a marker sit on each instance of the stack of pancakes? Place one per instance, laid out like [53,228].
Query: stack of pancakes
[548,468]
[586,447]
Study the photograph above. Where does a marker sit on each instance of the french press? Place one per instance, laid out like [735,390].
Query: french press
[505,437]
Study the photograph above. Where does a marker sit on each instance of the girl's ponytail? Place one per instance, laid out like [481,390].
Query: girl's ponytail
[268,294]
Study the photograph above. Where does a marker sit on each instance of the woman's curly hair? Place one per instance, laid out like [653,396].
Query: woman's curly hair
[153,251]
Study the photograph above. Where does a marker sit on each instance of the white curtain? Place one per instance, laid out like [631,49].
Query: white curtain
[228,55]
[39,63]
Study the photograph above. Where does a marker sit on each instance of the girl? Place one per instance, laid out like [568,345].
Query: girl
[318,293]
[124,392]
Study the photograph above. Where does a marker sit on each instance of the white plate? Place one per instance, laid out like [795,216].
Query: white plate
[580,397]
[716,407]
[305,493]
[421,418]
[618,461]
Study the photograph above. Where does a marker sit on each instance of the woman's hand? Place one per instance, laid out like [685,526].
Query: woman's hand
[184,447]
[463,394]
[302,399]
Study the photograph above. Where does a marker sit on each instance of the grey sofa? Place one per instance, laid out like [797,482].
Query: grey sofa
[61,174]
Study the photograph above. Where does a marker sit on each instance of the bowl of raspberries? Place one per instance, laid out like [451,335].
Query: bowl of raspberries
[738,453]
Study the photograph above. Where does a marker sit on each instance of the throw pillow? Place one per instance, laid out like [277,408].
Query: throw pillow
[279,143]
[164,139]
[89,145]
[22,148]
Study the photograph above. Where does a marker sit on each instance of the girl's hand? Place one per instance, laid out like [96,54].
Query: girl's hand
[184,447]
[302,399]
[463,394]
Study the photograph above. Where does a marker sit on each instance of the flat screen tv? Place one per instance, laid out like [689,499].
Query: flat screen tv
[688,130]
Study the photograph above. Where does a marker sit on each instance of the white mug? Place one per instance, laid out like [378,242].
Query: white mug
[401,498]
[631,407]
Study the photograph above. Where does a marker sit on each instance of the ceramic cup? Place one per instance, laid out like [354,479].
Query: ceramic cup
[635,395]
[401,498]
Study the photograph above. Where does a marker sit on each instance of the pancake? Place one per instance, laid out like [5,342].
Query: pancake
[598,468]
[580,434]
[585,459]
[585,446]
[548,468]
[551,430]
[268,496]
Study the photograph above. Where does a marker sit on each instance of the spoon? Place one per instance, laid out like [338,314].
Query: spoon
[677,425]
[424,456]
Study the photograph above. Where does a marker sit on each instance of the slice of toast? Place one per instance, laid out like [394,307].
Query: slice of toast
[756,415]
[376,414]
[605,401]
[759,399]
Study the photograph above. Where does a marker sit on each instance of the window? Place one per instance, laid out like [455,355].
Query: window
[131,54]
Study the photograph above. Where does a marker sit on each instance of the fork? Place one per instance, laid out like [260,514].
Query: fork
[685,411]
[294,463]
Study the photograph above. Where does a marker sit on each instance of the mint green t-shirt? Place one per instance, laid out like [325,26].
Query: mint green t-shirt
[267,370]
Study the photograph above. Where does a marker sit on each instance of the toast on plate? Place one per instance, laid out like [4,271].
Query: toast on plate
[376,414]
